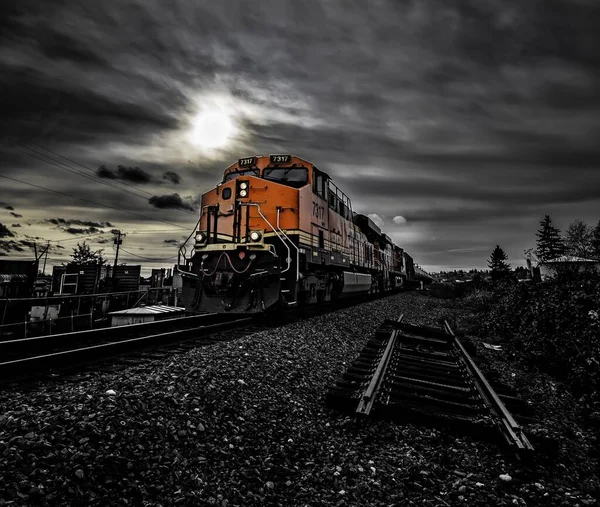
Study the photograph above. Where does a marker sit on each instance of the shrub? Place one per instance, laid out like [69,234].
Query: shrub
[554,326]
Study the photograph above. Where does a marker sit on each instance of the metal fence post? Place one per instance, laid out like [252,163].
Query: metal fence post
[5,308]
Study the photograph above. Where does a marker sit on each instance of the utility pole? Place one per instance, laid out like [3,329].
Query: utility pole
[117,241]
[46,258]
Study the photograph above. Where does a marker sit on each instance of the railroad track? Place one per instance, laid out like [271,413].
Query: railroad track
[425,375]
[30,357]
[26,358]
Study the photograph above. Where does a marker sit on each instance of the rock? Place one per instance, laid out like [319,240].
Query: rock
[505,477]
[270,485]
[462,489]
[79,473]
[111,392]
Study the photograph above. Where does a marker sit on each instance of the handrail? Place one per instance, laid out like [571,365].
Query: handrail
[182,247]
[273,229]
[291,243]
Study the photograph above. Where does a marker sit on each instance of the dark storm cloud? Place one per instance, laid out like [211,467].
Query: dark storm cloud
[16,225]
[103,172]
[132,174]
[75,221]
[22,245]
[5,232]
[172,241]
[28,243]
[10,246]
[171,201]
[79,230]
[9,208]
[173,177]
[16,215]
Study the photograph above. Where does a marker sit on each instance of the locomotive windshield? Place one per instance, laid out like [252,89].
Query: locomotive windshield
[292,176]
[245,172]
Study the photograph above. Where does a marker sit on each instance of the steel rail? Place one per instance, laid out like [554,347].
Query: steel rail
[367,399]
[87,333]
[46,361]
[509,428]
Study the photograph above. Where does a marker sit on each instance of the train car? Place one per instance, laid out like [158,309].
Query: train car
[276,231]
[409,264]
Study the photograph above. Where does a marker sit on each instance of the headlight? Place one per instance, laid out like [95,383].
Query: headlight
[243,185]
[200,237]
[255,236]
[243,193]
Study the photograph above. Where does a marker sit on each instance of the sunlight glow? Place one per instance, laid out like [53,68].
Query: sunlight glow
[212,129]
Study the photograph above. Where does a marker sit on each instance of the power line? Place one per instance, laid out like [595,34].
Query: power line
[99,180]
[90,169]
[90,201]
[66,167]
[149,258]
[54,162]
[152,231]
[79,237]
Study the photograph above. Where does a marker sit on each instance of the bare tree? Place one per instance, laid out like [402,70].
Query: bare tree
[578,239]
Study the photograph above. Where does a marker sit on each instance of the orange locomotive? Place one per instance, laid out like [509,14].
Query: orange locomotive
[277,231]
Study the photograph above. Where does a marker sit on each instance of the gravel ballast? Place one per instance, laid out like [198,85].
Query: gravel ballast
[245,423]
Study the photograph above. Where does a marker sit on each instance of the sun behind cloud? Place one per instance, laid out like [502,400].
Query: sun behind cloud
[212,129]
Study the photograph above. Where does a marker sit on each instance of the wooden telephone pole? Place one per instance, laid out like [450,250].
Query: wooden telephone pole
[117,241]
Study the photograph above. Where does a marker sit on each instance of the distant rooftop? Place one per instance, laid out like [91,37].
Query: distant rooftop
[569,258]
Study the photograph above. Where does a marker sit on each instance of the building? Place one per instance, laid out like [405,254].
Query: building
[75,278]
[126,278]
[145,314]
[17,278]
[549,269]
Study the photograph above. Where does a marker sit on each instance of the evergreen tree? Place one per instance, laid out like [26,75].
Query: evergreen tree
[550,244]
[578,239]
[497,264]
[595,242]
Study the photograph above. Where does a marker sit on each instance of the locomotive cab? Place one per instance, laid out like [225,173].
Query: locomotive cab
[243,260]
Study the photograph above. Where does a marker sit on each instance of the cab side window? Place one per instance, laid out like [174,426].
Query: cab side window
[319,183]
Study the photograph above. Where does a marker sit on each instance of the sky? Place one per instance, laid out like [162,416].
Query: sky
[456,125]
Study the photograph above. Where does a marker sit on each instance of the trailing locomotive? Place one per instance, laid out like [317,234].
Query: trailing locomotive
[278,232]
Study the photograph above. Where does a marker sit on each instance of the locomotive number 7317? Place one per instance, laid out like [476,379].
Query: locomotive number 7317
[318,211]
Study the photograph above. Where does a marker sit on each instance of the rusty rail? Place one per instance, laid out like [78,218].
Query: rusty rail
[510,429]
[368,397]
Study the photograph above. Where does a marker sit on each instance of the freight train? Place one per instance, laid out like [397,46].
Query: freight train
[277,232]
